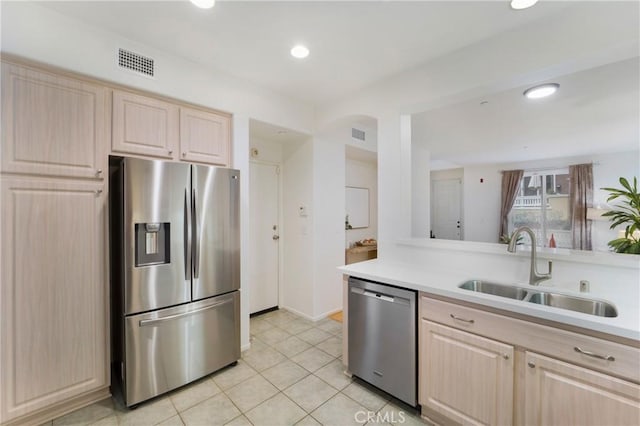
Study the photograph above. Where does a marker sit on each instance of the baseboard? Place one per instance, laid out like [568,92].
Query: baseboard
[58,410]
[314,319]
[245,347]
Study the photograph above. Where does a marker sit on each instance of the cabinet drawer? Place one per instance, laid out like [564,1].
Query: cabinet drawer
[621,360]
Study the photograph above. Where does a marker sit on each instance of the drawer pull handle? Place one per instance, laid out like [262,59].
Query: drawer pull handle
[462,319]
[594,355]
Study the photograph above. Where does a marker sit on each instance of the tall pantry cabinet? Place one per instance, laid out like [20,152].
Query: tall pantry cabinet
[54,292]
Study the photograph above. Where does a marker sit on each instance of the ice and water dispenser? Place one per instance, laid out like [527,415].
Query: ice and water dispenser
[153,242]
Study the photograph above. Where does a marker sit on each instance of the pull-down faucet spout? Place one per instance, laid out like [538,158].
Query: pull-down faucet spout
[534,277]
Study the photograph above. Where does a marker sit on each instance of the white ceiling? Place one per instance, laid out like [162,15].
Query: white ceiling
[353,44]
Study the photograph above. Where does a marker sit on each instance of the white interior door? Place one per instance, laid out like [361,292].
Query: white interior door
[446,213]
[264,236]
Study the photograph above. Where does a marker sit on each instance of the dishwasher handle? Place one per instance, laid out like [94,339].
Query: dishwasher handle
[380,296]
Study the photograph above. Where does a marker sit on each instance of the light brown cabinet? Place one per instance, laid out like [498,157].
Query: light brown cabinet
[205,136]
[143,125]
[53,299]
[559,394]
[54,285]
[479,367]
[151,127]
[469,379]
[52,124]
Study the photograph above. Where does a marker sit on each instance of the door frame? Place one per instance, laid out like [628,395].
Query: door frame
[281,230]
[431,204]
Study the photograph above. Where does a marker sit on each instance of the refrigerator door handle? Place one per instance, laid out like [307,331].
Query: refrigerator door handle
[152,322]
[187,235]
[196,239]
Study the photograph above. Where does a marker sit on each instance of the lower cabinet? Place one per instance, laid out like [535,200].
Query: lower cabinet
[559,393]
[478,367]
[467,378]
[53,295]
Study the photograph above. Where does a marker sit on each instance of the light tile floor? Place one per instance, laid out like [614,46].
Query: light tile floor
[291,375]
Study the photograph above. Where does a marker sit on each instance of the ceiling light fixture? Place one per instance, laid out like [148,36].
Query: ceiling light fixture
[204,4]
[541,91]
[522,4]
[299,51]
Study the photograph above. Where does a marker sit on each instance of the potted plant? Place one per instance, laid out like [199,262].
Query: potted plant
[627,213]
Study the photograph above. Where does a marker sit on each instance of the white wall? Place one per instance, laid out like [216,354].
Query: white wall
[420,191]
[241,162]
[363,175]
[268,151]
[329,207]
[298,233]
[481,200]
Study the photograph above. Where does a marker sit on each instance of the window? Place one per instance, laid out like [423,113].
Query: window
[542,204]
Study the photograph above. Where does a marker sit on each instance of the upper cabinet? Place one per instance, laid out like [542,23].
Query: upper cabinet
[147,126]
[52,124]
[144,125]
[204,136]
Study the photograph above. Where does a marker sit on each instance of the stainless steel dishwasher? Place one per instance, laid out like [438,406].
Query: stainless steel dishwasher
[382,337]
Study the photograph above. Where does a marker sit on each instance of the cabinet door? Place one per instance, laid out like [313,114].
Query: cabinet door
[563,394]
[467,378]
[52,125]
[144,125]
[204,137]
[53,339]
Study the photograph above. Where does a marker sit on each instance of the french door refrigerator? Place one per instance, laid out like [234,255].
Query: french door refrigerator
[175,274]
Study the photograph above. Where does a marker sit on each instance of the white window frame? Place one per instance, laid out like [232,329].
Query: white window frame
[543,198]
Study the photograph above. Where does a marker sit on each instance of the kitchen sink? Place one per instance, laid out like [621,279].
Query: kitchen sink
[571,303]
[501,290]
[561,301]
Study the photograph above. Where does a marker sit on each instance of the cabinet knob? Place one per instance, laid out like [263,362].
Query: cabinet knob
[184,154]
[531,364]
[98,172]
[99,191]
[505,356]
[170,152]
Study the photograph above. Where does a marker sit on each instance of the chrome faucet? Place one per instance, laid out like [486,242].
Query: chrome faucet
[534,277]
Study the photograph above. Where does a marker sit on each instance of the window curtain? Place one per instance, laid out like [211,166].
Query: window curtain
[510,187]
[581,196]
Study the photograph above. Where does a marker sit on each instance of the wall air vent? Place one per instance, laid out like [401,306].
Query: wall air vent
[357,134]
[135,62]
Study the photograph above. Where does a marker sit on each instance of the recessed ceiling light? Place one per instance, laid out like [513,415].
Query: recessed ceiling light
[204,4]
[541,91]
[522,4]
[299,51]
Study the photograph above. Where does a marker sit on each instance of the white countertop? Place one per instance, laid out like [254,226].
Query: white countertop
[444,282]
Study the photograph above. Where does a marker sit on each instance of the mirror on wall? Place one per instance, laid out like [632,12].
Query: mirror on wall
[594,117]
[357,207]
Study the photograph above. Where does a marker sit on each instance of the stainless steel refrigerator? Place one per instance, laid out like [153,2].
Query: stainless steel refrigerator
[175,274]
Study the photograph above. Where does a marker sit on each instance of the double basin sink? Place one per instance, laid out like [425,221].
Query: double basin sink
[546,298]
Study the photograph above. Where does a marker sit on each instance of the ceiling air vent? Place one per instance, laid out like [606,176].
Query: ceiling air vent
[357,134]
[135,62]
